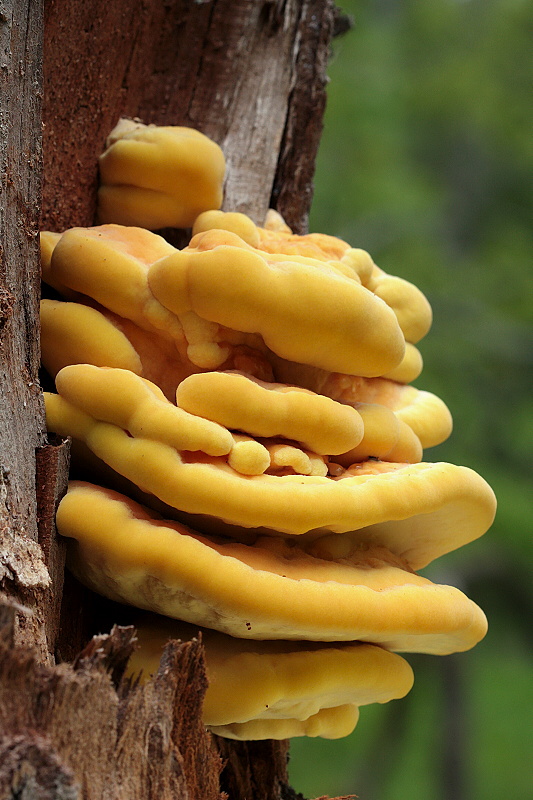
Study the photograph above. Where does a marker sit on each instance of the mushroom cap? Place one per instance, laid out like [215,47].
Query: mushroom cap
[276,238]
[328,723]
[408,447]
[265,690]
[84,331]
[275,222]
[291,303]
[271,590]
[48,241]
[73,333]
[142,409]
[109,264]
[409,367]
[156,177]
[454,503]
[411,307]
[385,437]
[233,221]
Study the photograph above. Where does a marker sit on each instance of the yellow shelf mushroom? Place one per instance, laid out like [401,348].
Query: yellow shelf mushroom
[110,266]
[426,414]
[157,177]
[410,306]
[277,690]
[437,507]
[304,310]
[269,409]
[273,589]
[253,387]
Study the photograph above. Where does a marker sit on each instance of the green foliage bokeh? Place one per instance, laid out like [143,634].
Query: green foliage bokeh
[427,163]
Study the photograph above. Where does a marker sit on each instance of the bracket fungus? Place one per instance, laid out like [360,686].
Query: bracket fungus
[274,588]
[250,397]
[289,301]
[276,690]
[410,306]
[143,437]
[158,177]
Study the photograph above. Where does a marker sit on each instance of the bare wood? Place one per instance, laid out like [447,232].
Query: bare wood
[259,770]
[88,728]
[250,765]
[51,480]
[292,191]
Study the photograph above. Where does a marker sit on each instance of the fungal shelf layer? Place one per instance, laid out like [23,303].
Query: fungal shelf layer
[250,447]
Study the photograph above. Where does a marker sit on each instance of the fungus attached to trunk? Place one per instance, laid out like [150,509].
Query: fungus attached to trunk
[410,306]
[276,690]
[268,409]
[158,177]
[303,309]
[252,392]
[143,437]
[273,588]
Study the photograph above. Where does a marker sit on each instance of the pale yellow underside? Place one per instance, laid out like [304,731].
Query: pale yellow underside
[271,590]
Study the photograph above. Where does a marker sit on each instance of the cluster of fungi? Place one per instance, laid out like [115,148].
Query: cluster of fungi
[243,410]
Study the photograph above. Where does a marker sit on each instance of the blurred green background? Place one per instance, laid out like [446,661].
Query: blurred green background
[427,163]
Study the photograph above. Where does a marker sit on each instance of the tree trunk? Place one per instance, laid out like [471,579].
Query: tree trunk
[251,75]
[22,430]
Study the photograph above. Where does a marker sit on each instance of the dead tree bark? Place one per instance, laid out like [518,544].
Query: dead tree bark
[251,75]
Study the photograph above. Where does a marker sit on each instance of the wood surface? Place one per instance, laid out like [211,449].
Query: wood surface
[23,573]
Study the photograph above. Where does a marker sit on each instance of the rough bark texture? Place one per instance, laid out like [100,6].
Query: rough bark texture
[84,729]
[20,140]
[22,570]
[51,481]
[252,76]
